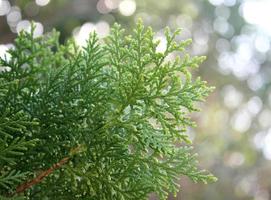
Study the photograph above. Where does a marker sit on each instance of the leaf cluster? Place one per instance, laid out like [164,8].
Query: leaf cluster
[125,103]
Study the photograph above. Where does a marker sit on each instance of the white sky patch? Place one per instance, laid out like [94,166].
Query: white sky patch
[216,2]
[42,2]
[267,146]
[25,25]
[258,139]
[4,7]
[3,50]
[112,4]
[254,105]
[102,28]
[221,2]
[264,119]
[257,12]
[127,7]
[162,46]
[5,55]
[262,43]
[232,97]
[81,34]
[241,120]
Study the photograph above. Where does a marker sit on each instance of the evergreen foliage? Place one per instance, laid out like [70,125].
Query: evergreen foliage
[115,110]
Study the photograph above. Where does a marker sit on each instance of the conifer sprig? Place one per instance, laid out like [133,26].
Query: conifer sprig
[119,98]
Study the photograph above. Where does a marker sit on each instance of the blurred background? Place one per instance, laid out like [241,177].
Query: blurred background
[233,136]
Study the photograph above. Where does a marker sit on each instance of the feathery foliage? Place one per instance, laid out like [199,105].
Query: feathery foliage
[124,105]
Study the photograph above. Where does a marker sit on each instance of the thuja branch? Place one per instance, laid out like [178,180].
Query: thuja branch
[120,97]
[23,187]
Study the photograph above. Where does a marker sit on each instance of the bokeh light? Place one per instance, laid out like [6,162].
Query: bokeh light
[102,7]
[267,146]
[14,16]
[25,25]
[4,7]
[127,7]
[81,34]
[42,2]
[257,12]
[3,51]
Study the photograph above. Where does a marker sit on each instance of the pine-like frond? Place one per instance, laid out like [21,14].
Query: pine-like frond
[126,103]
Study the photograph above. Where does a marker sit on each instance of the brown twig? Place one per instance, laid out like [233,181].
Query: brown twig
[21,188]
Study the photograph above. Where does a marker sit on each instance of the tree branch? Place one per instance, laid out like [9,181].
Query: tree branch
[21,188]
